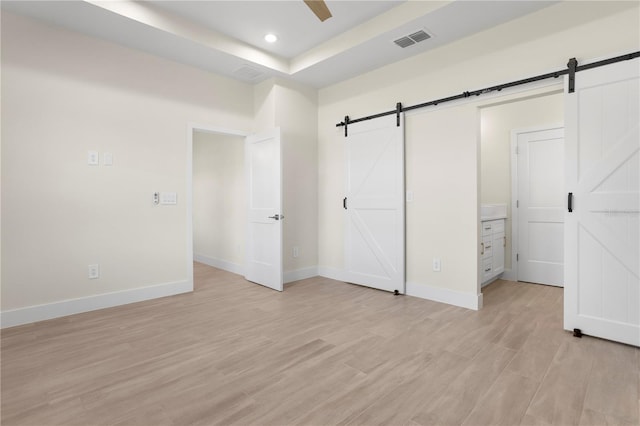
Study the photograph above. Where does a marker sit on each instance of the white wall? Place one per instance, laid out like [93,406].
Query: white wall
[64,94]
[535,44]
[219,202]
[497,122]
[297,116]
[441,170]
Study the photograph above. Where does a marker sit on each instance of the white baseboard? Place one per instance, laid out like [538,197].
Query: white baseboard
[225,265]
[509,275]
[91,303]
[300,274]
[289,276]
[486,283]
[437,294]
[451,297]
[333,273]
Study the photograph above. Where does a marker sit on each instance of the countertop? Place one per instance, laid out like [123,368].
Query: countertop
[496,217]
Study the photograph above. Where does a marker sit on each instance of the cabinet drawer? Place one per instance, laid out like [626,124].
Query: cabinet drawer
[497,226]
[486,250]
[487,268]
[492,226]
[487,228]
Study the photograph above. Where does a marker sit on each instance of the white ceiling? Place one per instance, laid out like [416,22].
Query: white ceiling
[297,28]
[228,36]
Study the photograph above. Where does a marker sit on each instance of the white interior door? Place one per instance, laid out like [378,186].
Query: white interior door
[602,296]
[375,235]
[263,257]
[541,202]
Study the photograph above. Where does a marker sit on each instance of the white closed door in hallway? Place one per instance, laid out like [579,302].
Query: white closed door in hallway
[541,201]
[263,257]
[374,204]
[602,248]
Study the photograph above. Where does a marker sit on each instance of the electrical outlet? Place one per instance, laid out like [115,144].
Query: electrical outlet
[436,264]
[94,271]
[296,251]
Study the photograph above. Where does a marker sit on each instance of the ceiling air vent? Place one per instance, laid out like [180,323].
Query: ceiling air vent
[419,36]
[411,39]
[404,42]
[246,72]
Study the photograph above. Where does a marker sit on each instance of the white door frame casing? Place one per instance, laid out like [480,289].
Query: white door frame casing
[191,128]
[512,274]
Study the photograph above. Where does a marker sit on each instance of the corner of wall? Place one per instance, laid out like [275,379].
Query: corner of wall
[264,107]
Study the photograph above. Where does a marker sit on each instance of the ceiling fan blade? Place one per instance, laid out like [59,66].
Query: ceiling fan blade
[320,8]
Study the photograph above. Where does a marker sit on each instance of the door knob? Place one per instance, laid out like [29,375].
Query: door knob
[277,217]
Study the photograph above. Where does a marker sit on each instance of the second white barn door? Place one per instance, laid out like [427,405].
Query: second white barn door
[374,203]
[602,248]
[541,201]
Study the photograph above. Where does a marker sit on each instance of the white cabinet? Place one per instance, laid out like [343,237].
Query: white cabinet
[492,249]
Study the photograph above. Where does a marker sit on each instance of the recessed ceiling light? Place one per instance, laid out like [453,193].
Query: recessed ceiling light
[270,38]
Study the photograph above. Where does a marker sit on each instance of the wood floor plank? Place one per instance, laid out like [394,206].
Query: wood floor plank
[399,407]
[560,397]
[594,418]
[505,403]
[612,389]
[320,353]
[463,393]
[535,358]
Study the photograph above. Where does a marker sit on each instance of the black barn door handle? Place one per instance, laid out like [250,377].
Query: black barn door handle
[344,203]
[570,202]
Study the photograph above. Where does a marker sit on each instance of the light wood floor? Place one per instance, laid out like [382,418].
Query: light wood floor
[321,353]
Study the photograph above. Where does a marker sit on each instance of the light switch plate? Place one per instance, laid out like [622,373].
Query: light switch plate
[107,159]
[168,198]
[93,158]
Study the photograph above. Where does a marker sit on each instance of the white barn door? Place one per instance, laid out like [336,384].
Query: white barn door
[263,254]
[602,255]
[375,230]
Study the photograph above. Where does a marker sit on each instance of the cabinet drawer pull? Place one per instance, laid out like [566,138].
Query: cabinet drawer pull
[488,247]
[504,241]
[482,250]
[487,269]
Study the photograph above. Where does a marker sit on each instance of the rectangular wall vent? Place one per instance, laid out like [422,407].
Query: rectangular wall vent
[412,39]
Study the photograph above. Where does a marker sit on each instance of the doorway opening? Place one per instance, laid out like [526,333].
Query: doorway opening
[215,198]
[234,210]
[501,124]
[219,204]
